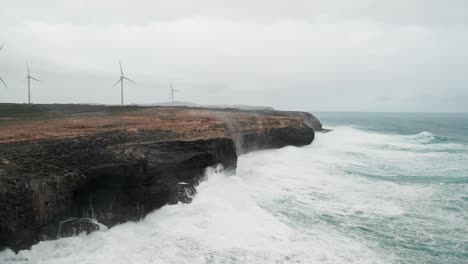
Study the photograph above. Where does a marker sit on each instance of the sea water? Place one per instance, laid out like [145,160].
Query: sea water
[379,188]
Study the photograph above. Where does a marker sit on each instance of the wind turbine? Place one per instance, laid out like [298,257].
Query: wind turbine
[1,76]
[172,92]
[121,80]
[29,77]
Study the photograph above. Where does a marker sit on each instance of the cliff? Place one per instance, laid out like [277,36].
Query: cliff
[62,167]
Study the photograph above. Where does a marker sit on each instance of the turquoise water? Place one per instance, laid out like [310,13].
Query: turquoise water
[379,188]
[450,126]
[433,156]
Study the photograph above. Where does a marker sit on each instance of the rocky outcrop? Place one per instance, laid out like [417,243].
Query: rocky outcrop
[64,171]
[96,177]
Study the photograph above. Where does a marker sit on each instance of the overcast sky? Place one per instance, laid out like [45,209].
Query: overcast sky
[317,55]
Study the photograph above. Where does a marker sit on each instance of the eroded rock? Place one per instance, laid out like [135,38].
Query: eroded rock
[68,174]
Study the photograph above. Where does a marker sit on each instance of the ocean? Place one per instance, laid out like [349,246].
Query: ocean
[379,188]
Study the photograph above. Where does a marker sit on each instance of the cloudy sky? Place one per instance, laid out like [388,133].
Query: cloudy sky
[317,55]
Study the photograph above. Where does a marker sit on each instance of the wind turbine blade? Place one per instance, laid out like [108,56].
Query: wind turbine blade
[27,65]
[177,90]
[171,85]
[117,82]
[129,80]
[2,46]
[34,79]
[121,71]
[3,82]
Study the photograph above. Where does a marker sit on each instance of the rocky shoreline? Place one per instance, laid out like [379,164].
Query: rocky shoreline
[65,169]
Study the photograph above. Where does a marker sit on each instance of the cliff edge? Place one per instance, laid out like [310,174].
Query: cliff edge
[65,169]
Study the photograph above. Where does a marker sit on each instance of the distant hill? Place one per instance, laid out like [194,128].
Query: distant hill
[242,107]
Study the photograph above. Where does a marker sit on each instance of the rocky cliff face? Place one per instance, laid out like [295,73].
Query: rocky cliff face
[96,177]
[73,171]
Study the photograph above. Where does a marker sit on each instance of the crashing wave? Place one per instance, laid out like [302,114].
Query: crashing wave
[426,137]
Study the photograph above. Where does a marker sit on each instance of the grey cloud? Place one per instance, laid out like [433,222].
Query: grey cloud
[138,11]
[311,55]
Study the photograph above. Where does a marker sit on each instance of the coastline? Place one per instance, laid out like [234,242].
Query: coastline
[60,164]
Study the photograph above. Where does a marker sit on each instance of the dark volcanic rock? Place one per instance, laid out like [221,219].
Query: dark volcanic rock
[104,177]
[95,165]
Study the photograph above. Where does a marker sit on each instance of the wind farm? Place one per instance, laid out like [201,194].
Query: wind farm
[29,77]
[121,81]
[122,78]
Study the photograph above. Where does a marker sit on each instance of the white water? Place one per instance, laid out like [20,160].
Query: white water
[282,206]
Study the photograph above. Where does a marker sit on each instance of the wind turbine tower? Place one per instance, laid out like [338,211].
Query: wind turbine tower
[29,77]
[1,76]
[172,92]
[121,80]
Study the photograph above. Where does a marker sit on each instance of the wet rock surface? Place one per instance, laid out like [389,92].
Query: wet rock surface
[66,170]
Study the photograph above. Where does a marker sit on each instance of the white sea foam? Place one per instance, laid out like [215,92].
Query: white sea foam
[282,206]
